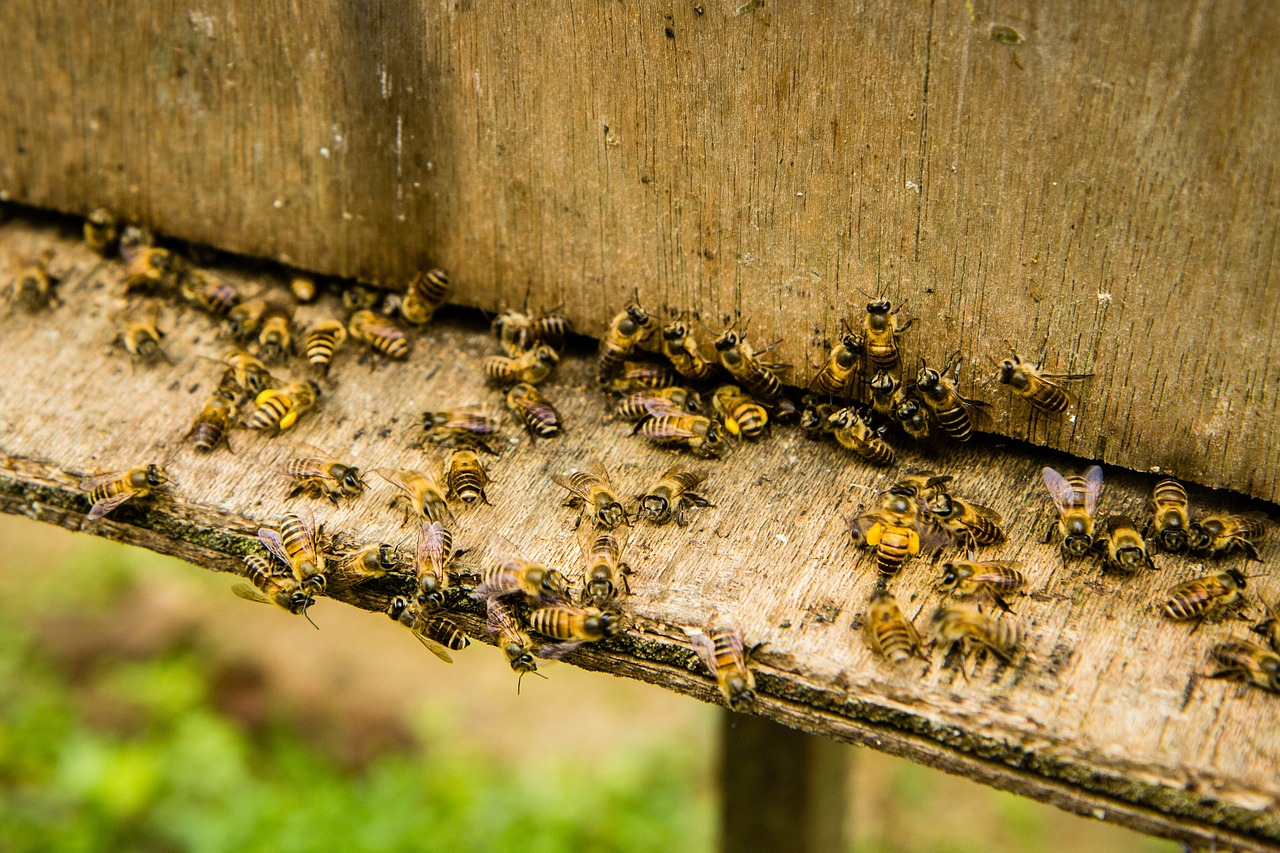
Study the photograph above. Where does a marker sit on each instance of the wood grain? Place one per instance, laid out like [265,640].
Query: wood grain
[1106,717]
[1096,175]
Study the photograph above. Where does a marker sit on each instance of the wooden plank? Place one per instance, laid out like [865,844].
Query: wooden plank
[1105,717]
[1094,174]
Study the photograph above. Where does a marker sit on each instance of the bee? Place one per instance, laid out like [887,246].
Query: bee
[108,491]
[721,651]
[134,237]
[518,333]
[379,333]
[303,288]
[674,496]
[141,337]
[886,395]
[853,433]
[273,583]
[534,367]
[970,524]
[628,330]
[642,375]
[837,376]
[275,335]
[368,563]
[424,296]
[701,436]
[893,529]
[889,632]
[880,333]
[743,364]
[297,545]
[244,320]
[431,561]
[971,629]
[590,489]
[1205,597]
[281,407]
[150,268]
[815,419]
[513,574]
[956,415]
[320,475]
[1043,391]
[1225,533]
[324,339]
[215,420]
[248,372]
[459,428]
[681,350]
[465,476]
[363,297]
[438,633]
[208,292]
[1243,661]
[1170,523]
[573,625]
[101,231]
[1122,546]
[32,287]
[1075,498]
[421,492]
[742,415]
[512,639]
[994,577]
[917,421]
[658,402]
[540,418]
[1269,628]
[605,577]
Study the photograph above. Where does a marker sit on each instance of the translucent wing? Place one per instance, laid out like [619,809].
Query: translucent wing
[556,651]
[670,431]
[596,469]
[505,554]
[88,484]
[705,649]
[400,479]
[310,548]
[589,535]
[104,506]
[432,548]
[432,646]
[564,482]
[271,539]
[248,593]
[1092,487]
[1064,497]
[500,619]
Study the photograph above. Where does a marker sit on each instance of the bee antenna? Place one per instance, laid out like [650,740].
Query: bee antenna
[307,616]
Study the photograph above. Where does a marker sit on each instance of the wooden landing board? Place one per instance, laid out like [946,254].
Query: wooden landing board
[1104,718]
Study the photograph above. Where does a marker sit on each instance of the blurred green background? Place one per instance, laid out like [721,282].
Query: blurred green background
[143,707]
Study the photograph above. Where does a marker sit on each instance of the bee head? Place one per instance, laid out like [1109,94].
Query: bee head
[1237,577]
[1006,371]
[878,306]
[927,379]
[386,557]
[950,577]
[547,355]
[739,693]
[727,341]
[352,482]
[156,476]
[397,607]
[1173,539]
[1077,544]
[637,315]
[676,331]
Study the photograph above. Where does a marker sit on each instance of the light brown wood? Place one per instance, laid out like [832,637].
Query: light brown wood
[1105,717]
[1098,175]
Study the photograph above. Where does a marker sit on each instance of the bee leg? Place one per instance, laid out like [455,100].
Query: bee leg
[1249,549]
[294,492]
[1001,603]
[1048,534]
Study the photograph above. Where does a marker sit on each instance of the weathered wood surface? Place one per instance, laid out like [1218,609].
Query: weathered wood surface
[1108,183]
[1105,717]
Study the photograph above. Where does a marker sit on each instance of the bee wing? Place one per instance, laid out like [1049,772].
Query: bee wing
[432,646]
[978,411]
[703,646]
[556,651]
[317,453]
[248,593]
[431,547]
[1092,487]
[505,554]
[499,617]
[991,571]
[88,484]
[310,545]
[1055,378]
[589,534]
[271,539]
[402,480]
[1059,489]
[102,507]
[563,481]
[671,431]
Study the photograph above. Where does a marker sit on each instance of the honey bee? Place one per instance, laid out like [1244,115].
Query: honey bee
[32,287]
[971,525]
[1226,533]
[141,337]
[1123,547]
[512,639]
[324,339]
[318,474]
[248,372]
[658,402]
[893,529]
[215,420]
[917,421]
[815,419]
[681,350]
[273,583]
[605,579]
[880,333]
[540,418]
[971,629]
[297,545]
[889,632]
[368,563]
[108,491]
[208,292]
[363,297]
[424,296]
[642,375]
[994,577]
[956,415]
[134,237]
[1076,498]
[150,268]
[701,436]
[518,333]
[1205,597]
[513,574]
[590,489]
[281,407]
[886,395]
[437,632]
[101,230]
[743,364]
[1246,662]
[925,485]
[853,433]
[628,330]
[1170,523]
[275,336]
[459,428]
[420,491]
[837,376]
[1043,391]
[742,415]
[244,320]
[534,367]
[674,496]
[465,476]
[573,625]
[379,333]
[721,651]
[303,288]
[1269,628]
[431,561]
